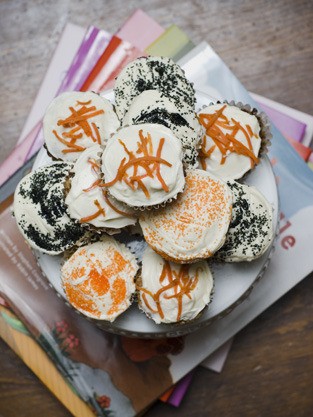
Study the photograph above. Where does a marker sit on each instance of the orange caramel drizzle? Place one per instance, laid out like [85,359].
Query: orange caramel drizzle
[77,124]
[181,284]
[213,124]
[99,183]
[95,215]
[146,160]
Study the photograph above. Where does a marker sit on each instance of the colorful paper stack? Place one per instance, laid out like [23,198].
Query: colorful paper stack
[104,380]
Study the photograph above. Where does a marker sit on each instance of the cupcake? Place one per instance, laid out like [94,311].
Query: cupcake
[194,226]
[171,293]
[142,165]
[153,73]
[75,121]
[88,201]
[232,142]
[152,106]
[41,213]
[250,233]
[98,279]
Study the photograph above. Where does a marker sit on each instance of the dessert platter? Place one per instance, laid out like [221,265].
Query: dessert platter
[151,209]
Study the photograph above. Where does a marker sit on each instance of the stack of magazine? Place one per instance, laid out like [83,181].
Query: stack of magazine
[96,373]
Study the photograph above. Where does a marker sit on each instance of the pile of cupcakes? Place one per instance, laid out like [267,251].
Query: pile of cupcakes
[149,165]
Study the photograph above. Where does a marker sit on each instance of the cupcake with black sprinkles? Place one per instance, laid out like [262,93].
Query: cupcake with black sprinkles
[153,73]
[250,233]
[40,210]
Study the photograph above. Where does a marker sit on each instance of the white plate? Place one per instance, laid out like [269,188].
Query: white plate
[233,282]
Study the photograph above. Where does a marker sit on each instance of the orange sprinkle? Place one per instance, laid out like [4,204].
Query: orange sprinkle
[226,141]
[109,203]
[72,146]
[180,282]
[118,294]
[149,162]
[82,103]
[97,132]
[95,215]
[95,184]
[78,122]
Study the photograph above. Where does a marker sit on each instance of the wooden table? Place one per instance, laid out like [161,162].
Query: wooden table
[269,46]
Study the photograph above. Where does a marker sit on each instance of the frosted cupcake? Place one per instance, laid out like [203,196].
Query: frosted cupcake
[41,213]
[98,279]
[194,226]
[153,73]
[88,201]
[142,165]
[171,293]
[232,142]
[75,121]
[250,232]
[152,106]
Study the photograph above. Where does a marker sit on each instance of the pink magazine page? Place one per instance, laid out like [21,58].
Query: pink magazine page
[150,30]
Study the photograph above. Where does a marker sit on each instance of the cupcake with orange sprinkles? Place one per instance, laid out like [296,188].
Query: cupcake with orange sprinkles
[235,138]
[194,226]
[99,279]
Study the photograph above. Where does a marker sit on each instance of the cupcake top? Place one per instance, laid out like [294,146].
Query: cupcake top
[98,279]
[232,142]
[152,106]
[40,211]
[170,292]
[75,121]
[194,226]
[153,73]
[90,203]
[142,165]
[251,229]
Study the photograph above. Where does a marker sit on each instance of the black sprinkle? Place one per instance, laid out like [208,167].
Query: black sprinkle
[46,194]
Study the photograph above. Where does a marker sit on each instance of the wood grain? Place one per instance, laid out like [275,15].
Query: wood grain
[269,46]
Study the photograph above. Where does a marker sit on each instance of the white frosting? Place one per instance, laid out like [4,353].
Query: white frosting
[174,308]
[186,127]
[40,211]
[173,175]
[159,73]
[195,225]
[235,165]
[251,230]
[82,195]
[106,123]
[98,279]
